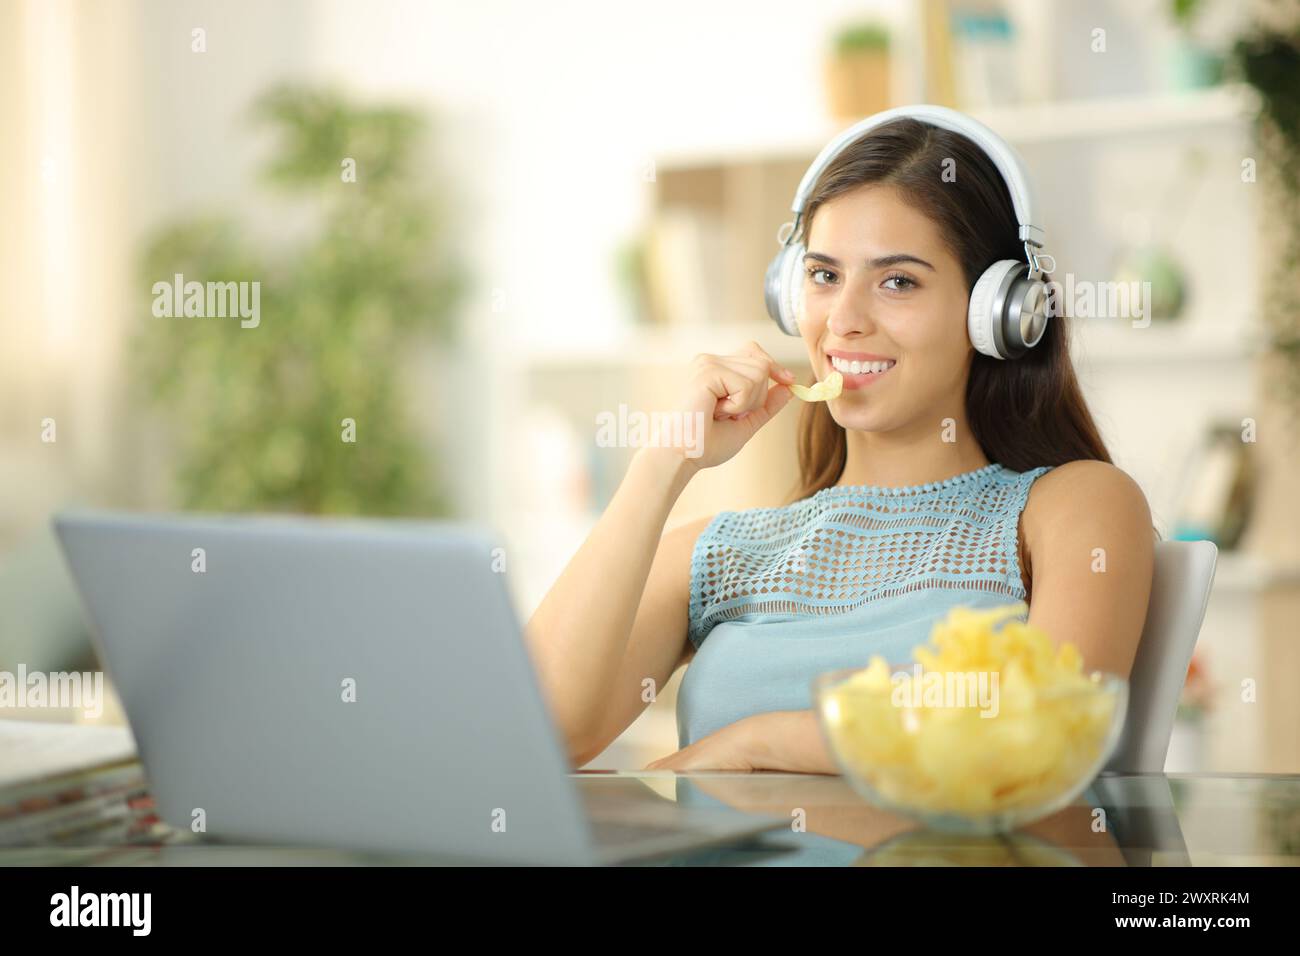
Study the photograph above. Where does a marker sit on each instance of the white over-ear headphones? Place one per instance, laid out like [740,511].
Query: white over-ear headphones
[1008,304]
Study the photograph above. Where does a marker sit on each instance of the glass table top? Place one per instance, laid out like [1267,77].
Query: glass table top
[107,817]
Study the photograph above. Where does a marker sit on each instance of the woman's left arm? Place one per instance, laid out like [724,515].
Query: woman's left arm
[1087,529]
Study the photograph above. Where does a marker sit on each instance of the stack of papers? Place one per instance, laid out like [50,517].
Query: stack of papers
[32,750]
[72,785]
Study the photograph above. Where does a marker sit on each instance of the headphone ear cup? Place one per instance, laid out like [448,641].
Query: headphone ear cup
[982,325]
[1029,304]
[783,288]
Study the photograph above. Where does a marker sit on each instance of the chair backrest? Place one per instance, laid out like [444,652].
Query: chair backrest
[1180,591]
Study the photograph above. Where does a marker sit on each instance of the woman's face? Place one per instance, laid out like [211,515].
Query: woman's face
[881,284]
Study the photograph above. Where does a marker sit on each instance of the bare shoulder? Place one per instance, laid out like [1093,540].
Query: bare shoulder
[1085,498]
[1083,487]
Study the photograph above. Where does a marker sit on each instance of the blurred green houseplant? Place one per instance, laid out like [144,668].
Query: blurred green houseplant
[257,414]
[1268,58]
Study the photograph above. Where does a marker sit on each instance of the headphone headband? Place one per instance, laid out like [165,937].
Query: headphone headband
[1007,160]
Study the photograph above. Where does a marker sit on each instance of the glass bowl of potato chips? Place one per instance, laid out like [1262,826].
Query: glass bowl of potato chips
[989,729]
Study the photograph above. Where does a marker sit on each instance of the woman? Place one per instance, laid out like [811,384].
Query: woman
[939,476]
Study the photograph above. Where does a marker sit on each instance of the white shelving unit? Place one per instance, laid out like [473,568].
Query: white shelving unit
[1184,341]
[1187,340]
[1080,120]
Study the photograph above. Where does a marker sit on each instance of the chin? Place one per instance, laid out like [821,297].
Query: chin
[850,415]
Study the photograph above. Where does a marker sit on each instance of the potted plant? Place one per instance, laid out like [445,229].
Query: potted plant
[1268,60]
[306,412]
[857,71]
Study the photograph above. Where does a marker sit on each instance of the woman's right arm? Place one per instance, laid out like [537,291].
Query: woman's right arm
[618,613]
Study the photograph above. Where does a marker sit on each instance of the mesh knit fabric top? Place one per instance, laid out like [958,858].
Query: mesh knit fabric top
[779,595]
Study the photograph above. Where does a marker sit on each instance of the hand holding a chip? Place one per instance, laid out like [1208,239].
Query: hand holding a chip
[736,395]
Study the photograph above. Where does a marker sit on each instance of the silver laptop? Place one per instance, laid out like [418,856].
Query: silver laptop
[350,683]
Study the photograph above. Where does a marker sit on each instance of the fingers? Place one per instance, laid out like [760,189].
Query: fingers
[739,382]
[778,396]
[733,383]
[775,369]
[751,395]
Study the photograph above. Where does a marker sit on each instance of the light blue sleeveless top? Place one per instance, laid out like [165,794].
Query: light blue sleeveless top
[779,595]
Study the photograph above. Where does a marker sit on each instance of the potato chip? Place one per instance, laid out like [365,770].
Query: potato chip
[823,391]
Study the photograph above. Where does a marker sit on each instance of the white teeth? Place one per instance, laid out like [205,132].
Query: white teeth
[844,366]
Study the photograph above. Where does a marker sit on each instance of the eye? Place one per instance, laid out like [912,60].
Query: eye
[905,283]
[812,271]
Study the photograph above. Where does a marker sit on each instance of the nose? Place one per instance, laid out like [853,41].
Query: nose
[850,313]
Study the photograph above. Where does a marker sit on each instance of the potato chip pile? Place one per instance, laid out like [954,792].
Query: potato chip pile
[1045,731]
[823,391]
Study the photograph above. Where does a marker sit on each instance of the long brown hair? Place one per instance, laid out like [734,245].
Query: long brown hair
[1024,412]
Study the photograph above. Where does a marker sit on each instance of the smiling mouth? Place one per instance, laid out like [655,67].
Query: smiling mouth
[846,367]
[860,374]
[863,370]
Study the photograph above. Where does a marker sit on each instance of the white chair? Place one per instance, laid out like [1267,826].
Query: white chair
[1180,591]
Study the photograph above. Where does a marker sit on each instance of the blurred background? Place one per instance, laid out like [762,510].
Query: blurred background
[478,226]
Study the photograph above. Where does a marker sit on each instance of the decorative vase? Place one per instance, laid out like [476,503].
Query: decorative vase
[1193,67]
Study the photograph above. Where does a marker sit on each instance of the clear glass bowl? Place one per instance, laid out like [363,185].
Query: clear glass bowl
[961,772]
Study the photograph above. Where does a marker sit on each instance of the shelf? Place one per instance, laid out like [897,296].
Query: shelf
[1057,122]
[1168,112]
[1248,573]
[1108,342]
[1094,344]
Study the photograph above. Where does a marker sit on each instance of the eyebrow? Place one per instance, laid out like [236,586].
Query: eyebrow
[880,262]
